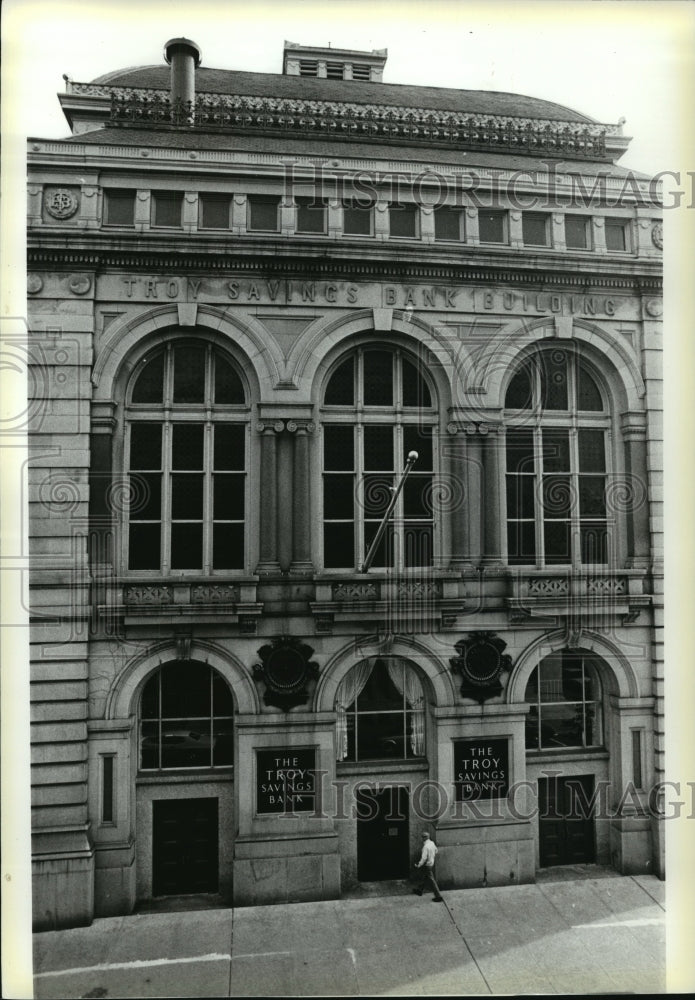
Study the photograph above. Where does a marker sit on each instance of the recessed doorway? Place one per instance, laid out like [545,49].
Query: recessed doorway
[566,822]
[184,846]
[382,834]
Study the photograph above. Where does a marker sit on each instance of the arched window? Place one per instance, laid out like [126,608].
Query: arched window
[564,692]
[377,407]
[381,712]
[557,459]
[186,458]
[186,719]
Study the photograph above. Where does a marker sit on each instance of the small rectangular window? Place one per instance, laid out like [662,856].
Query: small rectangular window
[616,235]
[119,208]
[357,218]
[492,226]
[166,208]
[577,232]
[536,229]
[403,221]
[107,789]
[214,211]
[334,71]
[263,213]
[448,223]
[637,758]
[308,67]
[360,71]
[311,215]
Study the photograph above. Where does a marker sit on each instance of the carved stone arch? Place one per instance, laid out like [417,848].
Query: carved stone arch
[321,342]
[501,356]
[617,669]
[127,341]
[122,698]
[372,647]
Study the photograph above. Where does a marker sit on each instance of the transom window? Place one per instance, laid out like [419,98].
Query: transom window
[381,712]
[186,719]
[564,692]
[186,460]
[556,446]
[377,408]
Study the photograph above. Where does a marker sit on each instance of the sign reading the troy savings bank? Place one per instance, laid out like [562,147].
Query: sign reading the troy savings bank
[481,768]
[285,780]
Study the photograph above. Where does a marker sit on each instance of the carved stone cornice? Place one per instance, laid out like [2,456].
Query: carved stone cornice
[356,122]
[472,266]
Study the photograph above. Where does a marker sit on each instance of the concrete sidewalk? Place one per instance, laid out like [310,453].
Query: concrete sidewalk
[583,936]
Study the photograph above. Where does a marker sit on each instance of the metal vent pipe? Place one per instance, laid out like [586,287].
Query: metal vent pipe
[184,57]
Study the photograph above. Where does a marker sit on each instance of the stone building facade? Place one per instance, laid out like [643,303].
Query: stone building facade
[251,297]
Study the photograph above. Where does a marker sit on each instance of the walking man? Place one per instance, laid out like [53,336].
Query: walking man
[426,868]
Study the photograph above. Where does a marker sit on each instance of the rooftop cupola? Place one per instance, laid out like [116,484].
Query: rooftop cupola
[334,64]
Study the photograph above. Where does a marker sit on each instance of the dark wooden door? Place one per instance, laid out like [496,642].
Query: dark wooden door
[184,846]
[566,822]
[382,834]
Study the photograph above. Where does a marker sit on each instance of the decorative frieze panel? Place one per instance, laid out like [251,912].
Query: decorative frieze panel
[542,586]
[355,591]
[606,585]
[214,593]
[149,596]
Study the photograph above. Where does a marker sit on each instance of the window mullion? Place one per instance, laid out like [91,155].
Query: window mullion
[168,433]
[207,496]
[538,495]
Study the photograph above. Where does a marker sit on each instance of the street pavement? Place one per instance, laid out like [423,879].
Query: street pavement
[591,935]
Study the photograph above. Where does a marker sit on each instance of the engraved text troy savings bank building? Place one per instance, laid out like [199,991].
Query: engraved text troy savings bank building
[251,297]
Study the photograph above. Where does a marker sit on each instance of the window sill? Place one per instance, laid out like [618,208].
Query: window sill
[562,753]
[180,775]
[380,766]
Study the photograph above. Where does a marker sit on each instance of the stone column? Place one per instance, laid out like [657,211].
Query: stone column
[189,215]
[516,232]
[474,516]
[633,498]
[460,498]
[142,211]
[285,492]
[301,499]
[427,224]
[239,214]
[492,548]
[268,561]
[472,228]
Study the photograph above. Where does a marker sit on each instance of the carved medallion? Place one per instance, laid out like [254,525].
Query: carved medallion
[480,663]
[658,235]
[34,284]
[61,203]
[286,668]
[80,284]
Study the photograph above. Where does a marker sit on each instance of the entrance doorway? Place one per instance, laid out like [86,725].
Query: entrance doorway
[382,834]
[184,846]
[566,822]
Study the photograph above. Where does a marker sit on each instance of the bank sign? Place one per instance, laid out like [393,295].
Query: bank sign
[285,780]
[481,769]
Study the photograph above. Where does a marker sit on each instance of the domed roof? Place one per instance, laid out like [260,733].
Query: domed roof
[246,84]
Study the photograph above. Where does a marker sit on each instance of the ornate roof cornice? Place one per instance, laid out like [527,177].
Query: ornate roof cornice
[355,121]
[357,270]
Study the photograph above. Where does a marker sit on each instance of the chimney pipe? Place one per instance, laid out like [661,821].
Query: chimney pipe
[184,57]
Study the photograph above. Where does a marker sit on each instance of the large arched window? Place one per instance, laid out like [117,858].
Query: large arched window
[381,712]
[377,407]
[186,458]
[186,719]
[564,692]
[557,447]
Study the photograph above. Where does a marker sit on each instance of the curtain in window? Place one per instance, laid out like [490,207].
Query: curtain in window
[348,689]
[403,675]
